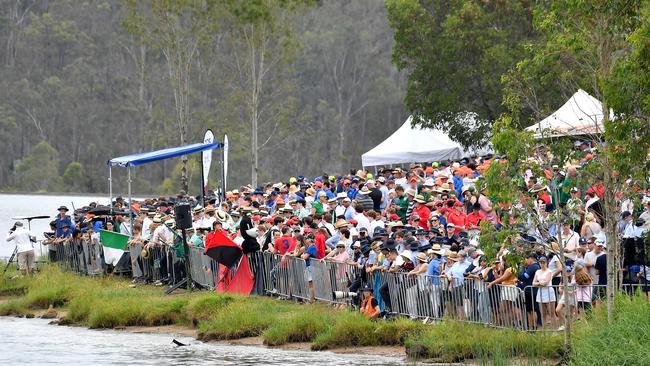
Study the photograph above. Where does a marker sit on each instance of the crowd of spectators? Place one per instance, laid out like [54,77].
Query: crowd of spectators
[424,222]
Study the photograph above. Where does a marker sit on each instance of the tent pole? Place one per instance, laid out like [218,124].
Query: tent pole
[110,185]
[130,204]
[223,177]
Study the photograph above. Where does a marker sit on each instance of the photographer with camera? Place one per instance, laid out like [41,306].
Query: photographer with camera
[24,240]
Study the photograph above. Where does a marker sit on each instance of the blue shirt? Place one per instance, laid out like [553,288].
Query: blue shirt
[457,272]
[352,193]
[59,226]
[313,252]
[433,270]
[458,185]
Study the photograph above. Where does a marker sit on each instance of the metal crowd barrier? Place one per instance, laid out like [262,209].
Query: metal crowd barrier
[424,297]
[82,257]
[201,267]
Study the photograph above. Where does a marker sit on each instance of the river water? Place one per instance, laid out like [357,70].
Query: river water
[34,342]
[12,205]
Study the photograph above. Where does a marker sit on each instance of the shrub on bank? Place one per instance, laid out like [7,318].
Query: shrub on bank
[300,327]
[625,342]
[452,341]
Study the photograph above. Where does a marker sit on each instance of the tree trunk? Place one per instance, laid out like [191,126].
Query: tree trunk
[565,278]
[613,251]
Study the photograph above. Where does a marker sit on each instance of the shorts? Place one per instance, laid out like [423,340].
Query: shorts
[308,275]
[26,260]
[572,300]
[529,299]
[509,293]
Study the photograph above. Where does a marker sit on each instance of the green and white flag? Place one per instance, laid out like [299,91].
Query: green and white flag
[114,245]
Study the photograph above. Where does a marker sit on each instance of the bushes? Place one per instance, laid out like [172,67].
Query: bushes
[625,342]
[452,341]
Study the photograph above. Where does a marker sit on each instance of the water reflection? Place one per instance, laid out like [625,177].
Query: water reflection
[34,342]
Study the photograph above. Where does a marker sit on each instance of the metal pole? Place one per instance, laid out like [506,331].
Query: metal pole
[223,177]
[202,182]
[110,185]
[130,204]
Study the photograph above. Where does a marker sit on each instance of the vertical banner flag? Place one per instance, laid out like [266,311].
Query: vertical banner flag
[207,158]
[225,161]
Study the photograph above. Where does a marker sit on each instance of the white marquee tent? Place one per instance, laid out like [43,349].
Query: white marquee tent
[413,144]
[582,114]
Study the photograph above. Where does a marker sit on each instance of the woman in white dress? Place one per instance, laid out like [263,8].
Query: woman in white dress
[545,293]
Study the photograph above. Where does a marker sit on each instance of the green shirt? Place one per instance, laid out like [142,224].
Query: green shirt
[318,206]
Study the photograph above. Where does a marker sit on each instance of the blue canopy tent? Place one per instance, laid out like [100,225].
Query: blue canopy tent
[149,157]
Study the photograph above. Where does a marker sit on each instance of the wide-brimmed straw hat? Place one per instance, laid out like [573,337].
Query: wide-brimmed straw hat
[422,257]
[341,224]
[537,188]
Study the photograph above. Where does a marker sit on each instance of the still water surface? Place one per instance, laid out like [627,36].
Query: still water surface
[34,342]
[12,205]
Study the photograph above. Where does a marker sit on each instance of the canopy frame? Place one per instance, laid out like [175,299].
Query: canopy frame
[133,160]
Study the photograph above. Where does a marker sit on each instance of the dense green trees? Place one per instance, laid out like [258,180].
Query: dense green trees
[96,79]
[455,53]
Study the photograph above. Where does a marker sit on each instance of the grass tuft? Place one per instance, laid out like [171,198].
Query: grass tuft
[452,341]
[350,329]
[240,319]
[302,327]
[625,342]
[206,306]
[396,332]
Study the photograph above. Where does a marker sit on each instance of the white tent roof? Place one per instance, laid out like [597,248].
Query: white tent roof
[582,114]
[413,144]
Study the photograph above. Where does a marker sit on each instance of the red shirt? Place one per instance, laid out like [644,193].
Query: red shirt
[456,218]
[545,197]
[473,219]
[423,213]
[285,244]
[320,245]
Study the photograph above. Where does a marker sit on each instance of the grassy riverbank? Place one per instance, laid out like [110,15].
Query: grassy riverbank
[111,302]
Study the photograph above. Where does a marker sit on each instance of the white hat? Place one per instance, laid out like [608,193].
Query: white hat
[341,195]
[407,254]
[429,182]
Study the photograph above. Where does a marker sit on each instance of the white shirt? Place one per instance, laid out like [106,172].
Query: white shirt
[146,224]
[590,258]
[125,228]
[362,221]
[627,205]
[590,202]
[22,238]
[201,222]
[570,241]
[375,224]
[161,235]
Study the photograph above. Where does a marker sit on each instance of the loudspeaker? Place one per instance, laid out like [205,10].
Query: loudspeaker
[183,216]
